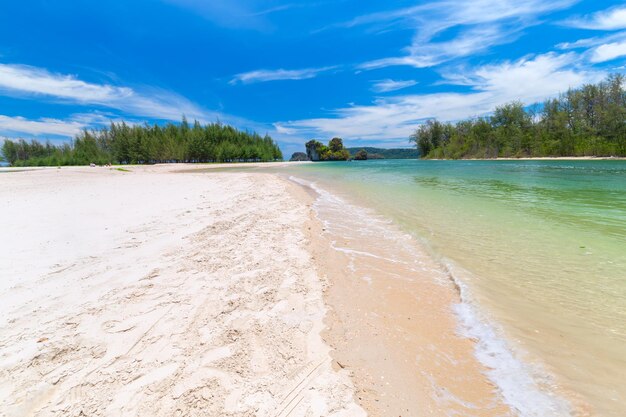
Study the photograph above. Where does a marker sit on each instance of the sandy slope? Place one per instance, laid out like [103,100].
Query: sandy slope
[160,294]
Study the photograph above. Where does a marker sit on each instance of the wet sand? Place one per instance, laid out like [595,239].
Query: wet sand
[392,325]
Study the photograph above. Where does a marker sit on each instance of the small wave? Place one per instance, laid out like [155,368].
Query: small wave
[523,389]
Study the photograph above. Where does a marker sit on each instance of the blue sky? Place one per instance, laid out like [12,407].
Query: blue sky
[369,72]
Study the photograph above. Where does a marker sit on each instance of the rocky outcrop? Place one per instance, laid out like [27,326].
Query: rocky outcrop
[361,155]
[299,156]
[313,150]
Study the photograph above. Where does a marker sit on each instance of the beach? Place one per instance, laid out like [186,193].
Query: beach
[299,289]
[311,209]
[154,292]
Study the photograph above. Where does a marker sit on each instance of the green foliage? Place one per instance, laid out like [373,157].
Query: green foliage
[361,155]
[335,145]
[147,144]
[316,151]
[590,121]
[335,151]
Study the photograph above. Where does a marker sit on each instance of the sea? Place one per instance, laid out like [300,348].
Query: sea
[537,249]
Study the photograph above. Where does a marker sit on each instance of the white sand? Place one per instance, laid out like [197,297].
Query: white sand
[155,293]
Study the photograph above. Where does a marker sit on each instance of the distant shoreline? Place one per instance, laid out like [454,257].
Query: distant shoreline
[538,158]
[218,165]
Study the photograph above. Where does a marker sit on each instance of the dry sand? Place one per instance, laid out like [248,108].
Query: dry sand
[160,294]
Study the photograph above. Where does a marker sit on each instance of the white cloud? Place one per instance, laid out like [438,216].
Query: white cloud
[22,80]
[594,41]
[480,25]
[529,80]
[38,81]
[53,128]
[384,86]
[283,130]
[42,127]
[264,75]
[600,48]
[432,18]
[608,52]
[428,54]
[610,19]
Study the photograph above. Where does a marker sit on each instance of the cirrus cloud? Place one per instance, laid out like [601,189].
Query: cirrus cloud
[479,24]
[44,126]
[387,85]
[610,19]
[608,52]
[264,75]
[34,82]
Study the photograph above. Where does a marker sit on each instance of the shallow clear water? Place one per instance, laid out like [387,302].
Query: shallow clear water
[540,244]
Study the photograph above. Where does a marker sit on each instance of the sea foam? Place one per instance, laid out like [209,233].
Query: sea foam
[523,388]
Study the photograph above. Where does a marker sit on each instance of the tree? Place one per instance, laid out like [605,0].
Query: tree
[9,152]
[123,144]
[361,155]
[590,120]
[335,145]
[429,136]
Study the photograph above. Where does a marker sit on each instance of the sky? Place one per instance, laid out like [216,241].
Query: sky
[367,71]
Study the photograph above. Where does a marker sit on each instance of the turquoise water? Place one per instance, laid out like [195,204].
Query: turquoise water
[540,244]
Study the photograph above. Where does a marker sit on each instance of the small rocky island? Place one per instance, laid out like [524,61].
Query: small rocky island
[299,156]
[335,151]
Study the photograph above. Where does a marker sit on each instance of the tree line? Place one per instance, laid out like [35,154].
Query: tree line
[121,143]
[588,121]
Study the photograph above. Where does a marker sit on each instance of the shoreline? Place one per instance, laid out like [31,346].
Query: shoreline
[191,167]
[523,382]
[397,334]
[194,167]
